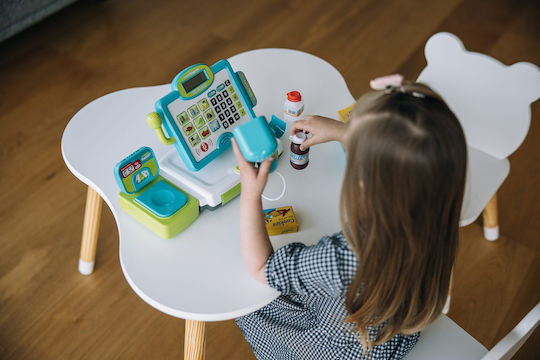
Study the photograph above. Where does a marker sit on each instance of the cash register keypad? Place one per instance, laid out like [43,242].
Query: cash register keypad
[223,102]
[220,109]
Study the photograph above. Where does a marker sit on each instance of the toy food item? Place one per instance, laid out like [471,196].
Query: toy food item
[299,159]
[294,106]
[280,220]
[345,114]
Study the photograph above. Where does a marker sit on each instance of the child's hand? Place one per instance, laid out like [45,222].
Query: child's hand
[322,129]
[253,179]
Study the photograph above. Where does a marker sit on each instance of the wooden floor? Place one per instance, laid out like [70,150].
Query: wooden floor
[49,311]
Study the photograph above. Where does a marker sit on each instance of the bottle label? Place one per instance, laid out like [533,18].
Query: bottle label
[299,159]
[294,112]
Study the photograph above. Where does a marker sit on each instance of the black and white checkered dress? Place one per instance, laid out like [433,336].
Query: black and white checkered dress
[306,321]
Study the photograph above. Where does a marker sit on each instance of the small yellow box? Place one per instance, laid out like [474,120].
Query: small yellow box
[280,221]
[345,114]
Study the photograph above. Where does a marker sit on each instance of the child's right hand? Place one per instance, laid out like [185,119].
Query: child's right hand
[253,179]
[322,129]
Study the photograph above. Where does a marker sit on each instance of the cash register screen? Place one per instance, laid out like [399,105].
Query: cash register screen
[193,82]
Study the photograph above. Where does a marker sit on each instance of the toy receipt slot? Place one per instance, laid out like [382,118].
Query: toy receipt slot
[202,109]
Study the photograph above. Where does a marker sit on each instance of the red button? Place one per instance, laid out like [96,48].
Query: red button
[204,146]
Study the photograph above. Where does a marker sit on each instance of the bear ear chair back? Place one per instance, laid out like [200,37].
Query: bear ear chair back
[527,77]
[491,100]
[493,104]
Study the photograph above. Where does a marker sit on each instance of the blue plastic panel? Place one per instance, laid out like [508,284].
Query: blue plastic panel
[136,170]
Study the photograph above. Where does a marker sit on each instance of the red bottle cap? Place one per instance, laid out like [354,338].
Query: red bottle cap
[294,96]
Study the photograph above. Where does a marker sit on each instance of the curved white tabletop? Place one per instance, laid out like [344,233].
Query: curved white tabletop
[199,274]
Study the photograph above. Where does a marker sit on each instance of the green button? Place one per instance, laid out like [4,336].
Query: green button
[239,105]
[189,129]
[193,111]
[203,104]
[234,97]
[194,139]
[182,118]
[205,132]
[199,122]
[209,115]
[230,89]
[220,87]
[211,93]
[242,112]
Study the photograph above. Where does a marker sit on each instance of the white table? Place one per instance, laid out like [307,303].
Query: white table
[198,275]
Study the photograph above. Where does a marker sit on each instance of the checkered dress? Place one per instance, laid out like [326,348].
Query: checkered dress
[306,321]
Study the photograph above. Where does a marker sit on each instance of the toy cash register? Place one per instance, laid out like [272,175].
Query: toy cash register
[150,199]
[199,114]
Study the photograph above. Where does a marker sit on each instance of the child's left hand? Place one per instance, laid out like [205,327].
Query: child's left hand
[253,179]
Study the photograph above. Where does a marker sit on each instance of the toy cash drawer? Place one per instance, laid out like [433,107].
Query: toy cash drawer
[199,114]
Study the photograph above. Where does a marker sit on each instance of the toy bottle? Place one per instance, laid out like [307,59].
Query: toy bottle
[299,159]
[294,106]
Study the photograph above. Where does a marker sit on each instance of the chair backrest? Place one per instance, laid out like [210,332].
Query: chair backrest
[510,344]
[491,100]
[445,340]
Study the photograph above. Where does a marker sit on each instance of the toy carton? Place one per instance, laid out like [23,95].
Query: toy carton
[345,114]
[280,221]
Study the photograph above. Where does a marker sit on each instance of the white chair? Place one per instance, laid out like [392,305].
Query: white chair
[445,340]
[492,102]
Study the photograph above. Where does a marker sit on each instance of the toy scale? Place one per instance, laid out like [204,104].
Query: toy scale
[151,199]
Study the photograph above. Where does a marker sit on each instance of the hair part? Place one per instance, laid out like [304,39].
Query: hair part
[400,207]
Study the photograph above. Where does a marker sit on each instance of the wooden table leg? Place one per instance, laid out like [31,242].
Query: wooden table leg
[195,340]
[92,217]
[491,220]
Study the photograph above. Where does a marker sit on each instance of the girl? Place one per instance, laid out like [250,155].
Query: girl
[369,289]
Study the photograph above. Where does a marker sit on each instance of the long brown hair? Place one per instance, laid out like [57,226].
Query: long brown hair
[400,207]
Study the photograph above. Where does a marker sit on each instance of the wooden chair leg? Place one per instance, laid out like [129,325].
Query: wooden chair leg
[195,340]
[92,218]
[491,220]
[446,308]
